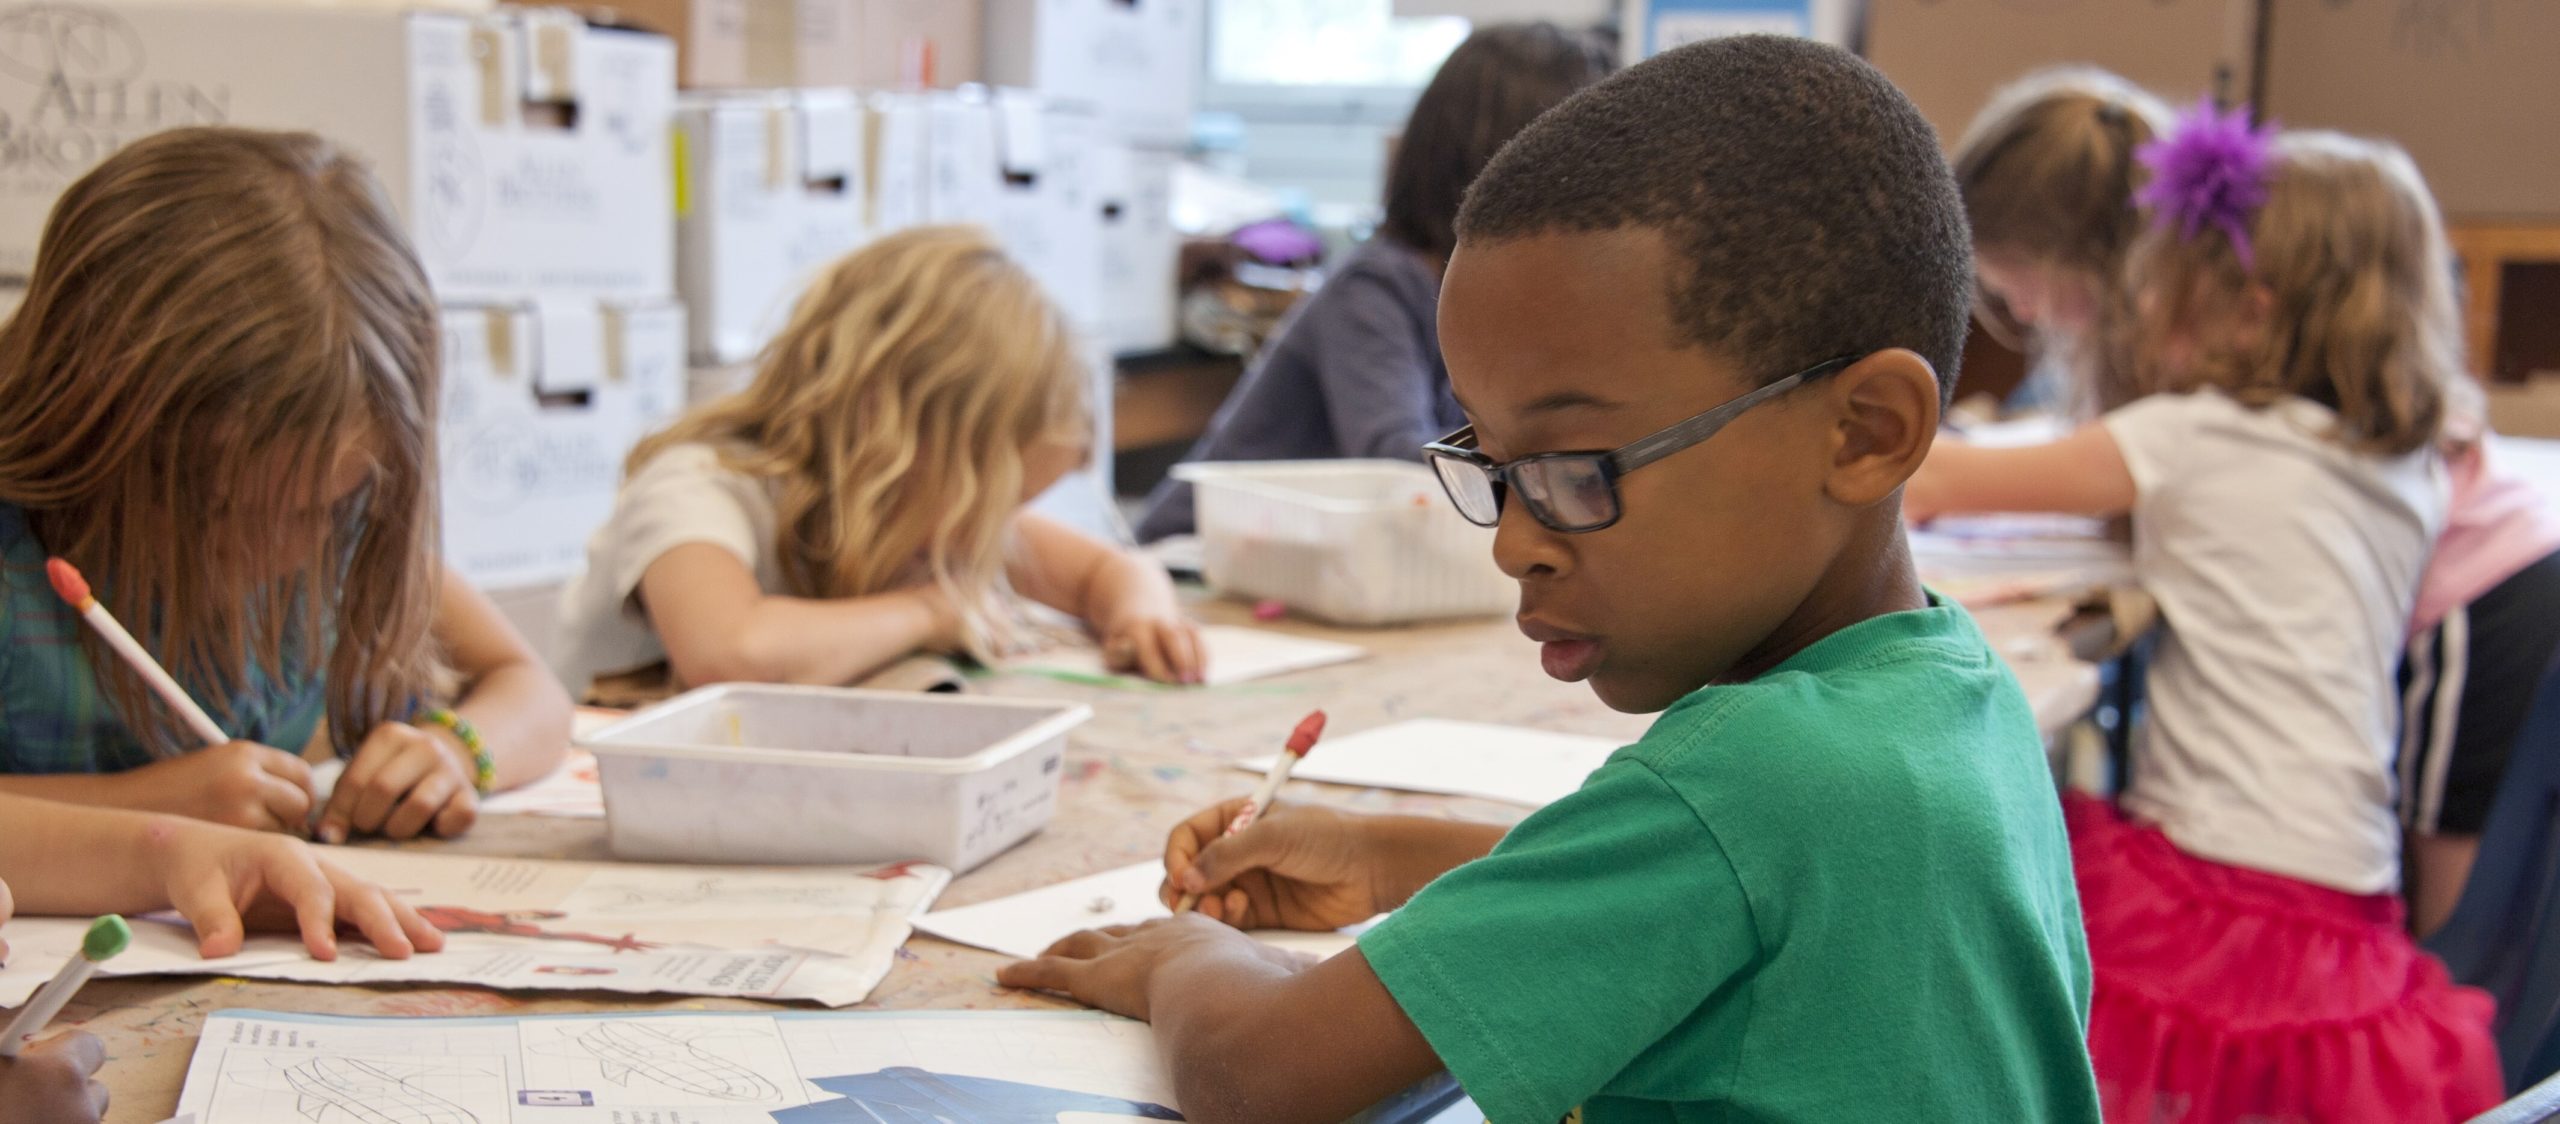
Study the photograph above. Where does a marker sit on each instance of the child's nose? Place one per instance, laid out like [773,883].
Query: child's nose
[1525,548]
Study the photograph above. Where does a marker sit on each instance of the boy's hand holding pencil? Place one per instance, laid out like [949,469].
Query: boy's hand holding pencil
[1296,867]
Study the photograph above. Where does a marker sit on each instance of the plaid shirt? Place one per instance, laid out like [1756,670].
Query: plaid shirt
[53,716]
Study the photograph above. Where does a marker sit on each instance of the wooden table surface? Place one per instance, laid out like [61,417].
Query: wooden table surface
[1146,758]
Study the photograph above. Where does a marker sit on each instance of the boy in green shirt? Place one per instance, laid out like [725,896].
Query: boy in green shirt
[1832,881]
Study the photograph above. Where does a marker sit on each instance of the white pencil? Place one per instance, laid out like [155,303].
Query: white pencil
[74,591]
[1301,740]
[106,937]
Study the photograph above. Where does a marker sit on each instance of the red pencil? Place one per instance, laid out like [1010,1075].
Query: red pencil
[1301,740]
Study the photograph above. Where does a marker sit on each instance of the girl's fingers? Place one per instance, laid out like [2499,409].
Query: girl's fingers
[369,910]
[298,882]
[422,805]
[423,934]
[207,904]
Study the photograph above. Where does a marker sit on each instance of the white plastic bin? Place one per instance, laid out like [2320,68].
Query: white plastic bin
[1361,542]
[744,773]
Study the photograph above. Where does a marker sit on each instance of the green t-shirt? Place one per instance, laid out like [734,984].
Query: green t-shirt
[1839,891]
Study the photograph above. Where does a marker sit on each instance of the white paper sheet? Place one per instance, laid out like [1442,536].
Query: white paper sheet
[825,934]
[1236,655]
[574,791]
[1026,924]
[1975,545]
[1000,1067]
[1506,763]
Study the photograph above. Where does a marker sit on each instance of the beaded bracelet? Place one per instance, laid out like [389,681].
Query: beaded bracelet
[484,768]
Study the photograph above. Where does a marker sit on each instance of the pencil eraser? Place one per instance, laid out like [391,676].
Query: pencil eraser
[1304,737]
[107,936]
[67,582]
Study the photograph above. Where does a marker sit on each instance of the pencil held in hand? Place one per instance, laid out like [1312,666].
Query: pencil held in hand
[1301,740]
[74,591]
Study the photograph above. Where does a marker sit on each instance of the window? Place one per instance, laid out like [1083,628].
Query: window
[1335,44]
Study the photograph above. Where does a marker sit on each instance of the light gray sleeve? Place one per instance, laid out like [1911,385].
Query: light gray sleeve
[1376,363]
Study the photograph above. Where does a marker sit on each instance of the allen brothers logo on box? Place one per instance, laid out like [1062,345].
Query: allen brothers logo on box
[72,90]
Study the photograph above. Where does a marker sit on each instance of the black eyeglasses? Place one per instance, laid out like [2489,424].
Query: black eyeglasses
[1571,493]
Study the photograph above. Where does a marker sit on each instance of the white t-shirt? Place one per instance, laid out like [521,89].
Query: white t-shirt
[2285,565]
[683,495]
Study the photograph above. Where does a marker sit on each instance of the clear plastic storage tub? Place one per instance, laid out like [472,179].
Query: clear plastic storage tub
[744,773]
[1359,542]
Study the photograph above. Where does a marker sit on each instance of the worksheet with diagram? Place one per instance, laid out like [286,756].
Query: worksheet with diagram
[994,1067]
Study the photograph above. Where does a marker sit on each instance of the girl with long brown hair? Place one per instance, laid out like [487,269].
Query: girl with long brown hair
[218,401]
[863,499]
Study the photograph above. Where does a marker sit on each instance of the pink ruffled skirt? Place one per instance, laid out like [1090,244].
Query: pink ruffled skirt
[2226,995]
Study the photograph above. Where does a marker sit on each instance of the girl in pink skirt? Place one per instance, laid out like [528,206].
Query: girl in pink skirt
[2296,353]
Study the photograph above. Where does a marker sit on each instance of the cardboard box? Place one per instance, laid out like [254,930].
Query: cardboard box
[962,180]
[896,156]
[1141,251]
[541,403]
[916,44]
[526,152]
[1950,55]
[2472,90]
[1134,63]
[1046,212]
[879,44]
[770,192]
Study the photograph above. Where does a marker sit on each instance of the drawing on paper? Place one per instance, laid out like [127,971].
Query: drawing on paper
[520,923]
[744,895]
[907,1095]
[340,1089]
[628,1050]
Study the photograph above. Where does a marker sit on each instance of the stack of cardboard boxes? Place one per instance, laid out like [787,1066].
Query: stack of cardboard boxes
[526,153]
[789,159]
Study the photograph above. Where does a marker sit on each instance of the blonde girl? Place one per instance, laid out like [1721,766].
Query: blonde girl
[2296,349]
[863,499]
[218,402]
[2048,174]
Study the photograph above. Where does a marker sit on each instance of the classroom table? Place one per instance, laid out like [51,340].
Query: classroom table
[1148,757]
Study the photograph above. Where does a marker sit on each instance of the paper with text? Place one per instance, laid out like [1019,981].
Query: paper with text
[1026,924]
[997,1067]
[1236,655]
[824,934]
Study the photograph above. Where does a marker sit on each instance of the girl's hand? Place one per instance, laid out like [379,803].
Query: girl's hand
[1298,867]
[242,784]
[1110,968]
[402,781]
[54,1082]
[224,880]
[1165,648]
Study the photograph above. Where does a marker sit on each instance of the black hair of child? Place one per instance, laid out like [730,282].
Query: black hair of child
[1807,201]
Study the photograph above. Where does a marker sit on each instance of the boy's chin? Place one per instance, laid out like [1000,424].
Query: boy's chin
[1633,694]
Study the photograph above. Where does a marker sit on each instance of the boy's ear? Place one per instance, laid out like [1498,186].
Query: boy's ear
[1884,415]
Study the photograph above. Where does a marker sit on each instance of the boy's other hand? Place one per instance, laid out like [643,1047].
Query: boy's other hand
[54,1082]
[1111,968]
[1298,867]
[242,784]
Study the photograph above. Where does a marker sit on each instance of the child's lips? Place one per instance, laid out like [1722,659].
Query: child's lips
[1569,660]
[1566,655]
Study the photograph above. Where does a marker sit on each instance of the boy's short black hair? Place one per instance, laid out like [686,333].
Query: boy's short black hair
[1808,198]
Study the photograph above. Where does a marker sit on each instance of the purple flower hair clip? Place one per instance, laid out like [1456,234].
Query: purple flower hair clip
[2211,170]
